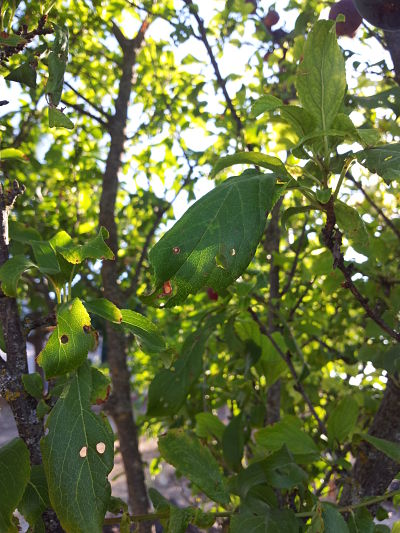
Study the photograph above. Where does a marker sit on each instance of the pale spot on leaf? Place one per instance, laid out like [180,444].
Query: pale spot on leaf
[100,447]
[83,451]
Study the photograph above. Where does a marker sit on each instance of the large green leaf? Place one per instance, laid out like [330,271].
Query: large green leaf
[144,329]
[170,387]
[36,496]
[24,74]
[209,426]
[252,158]
[14,475]
[78,455]
[194,461]
[233,442]
[321,77]
[11,272]
[333,520]
[391,449]
[281,471]
[343,419]
[271,522]
[70,342]
[215,240]
[383,160]
[12,153]
[287,431]
[45,257]
[95,248]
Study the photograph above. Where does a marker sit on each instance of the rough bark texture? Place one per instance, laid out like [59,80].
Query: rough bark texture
[22,405]
[271,246]
[120,402]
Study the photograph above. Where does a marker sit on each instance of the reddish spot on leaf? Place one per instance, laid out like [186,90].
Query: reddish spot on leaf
[64,339]
[86,328]
[167,288]
[176,249]
[213,295]
[99,401]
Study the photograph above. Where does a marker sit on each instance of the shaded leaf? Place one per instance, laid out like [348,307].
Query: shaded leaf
[57,119]
[233,442]
[195,462]
[36,498]
[70,342]
[272,521]
[144,329]
[343,419]
[24,74]
[281,471]
[349,220]
[383,160]
[14,476]
[321,77]
[33,384]
[391,449]
[266,103]
[77,467]
[45,257]
[100,386]
[209,425]
[333,520]
[11,271]
[252,158]
[287,432]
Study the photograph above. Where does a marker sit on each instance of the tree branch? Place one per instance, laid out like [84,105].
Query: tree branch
[99,109]
[80,109]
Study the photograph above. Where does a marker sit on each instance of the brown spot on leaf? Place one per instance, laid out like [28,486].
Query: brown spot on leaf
[87,329]
[176,249]
[64,339]
[167,288]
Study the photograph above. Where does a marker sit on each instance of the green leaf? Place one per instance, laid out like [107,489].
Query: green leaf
[125,524]
[233,442]
[100,386]
[179,520]
[383,160]
[70,342]
[170,387]
[292,211]
[42,409]
[321,76]
[209,426]
[14,475]
[11,39]
[104,308]
[144,329]
[333,520]
[13,153]
[287,431]
[391,449]
[45,257]
[33,385]
[22,233]
[281,471]
[11,271]
[214,241]
[57,119]
[36,497]
[252,158]
[343,419]
[24,74]
[96,248]
[195,462]
[266,103]
[272,521]
[349,220]
[78,456]
[302,122]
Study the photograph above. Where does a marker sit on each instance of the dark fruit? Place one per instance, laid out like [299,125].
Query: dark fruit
[383,14]
[352,17]
[271,18]
[213,295]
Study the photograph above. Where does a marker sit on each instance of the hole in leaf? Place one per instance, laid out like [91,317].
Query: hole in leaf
[86,328]
[100,447]
[64,339]
[83,451]
[233,252]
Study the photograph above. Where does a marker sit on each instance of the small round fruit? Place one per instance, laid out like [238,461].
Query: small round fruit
[384,14]
[271,18]
[352,17]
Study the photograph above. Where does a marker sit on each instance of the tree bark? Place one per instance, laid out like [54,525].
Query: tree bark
[120,402]
[393,43]
[23,406]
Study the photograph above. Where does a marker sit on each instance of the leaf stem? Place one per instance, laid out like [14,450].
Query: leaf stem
[345,168]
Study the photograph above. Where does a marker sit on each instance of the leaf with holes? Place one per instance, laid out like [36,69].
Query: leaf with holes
[11,271]
[383,160]
[321,77]
[70,342]
[96,248]
[14,475]
[215,240]
[78,455]
[194,461]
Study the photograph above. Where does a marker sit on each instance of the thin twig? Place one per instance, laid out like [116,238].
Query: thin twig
[288,361]
[80,109]
[95,106]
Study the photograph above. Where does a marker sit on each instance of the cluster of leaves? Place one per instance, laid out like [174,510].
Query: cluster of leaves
[262,476]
